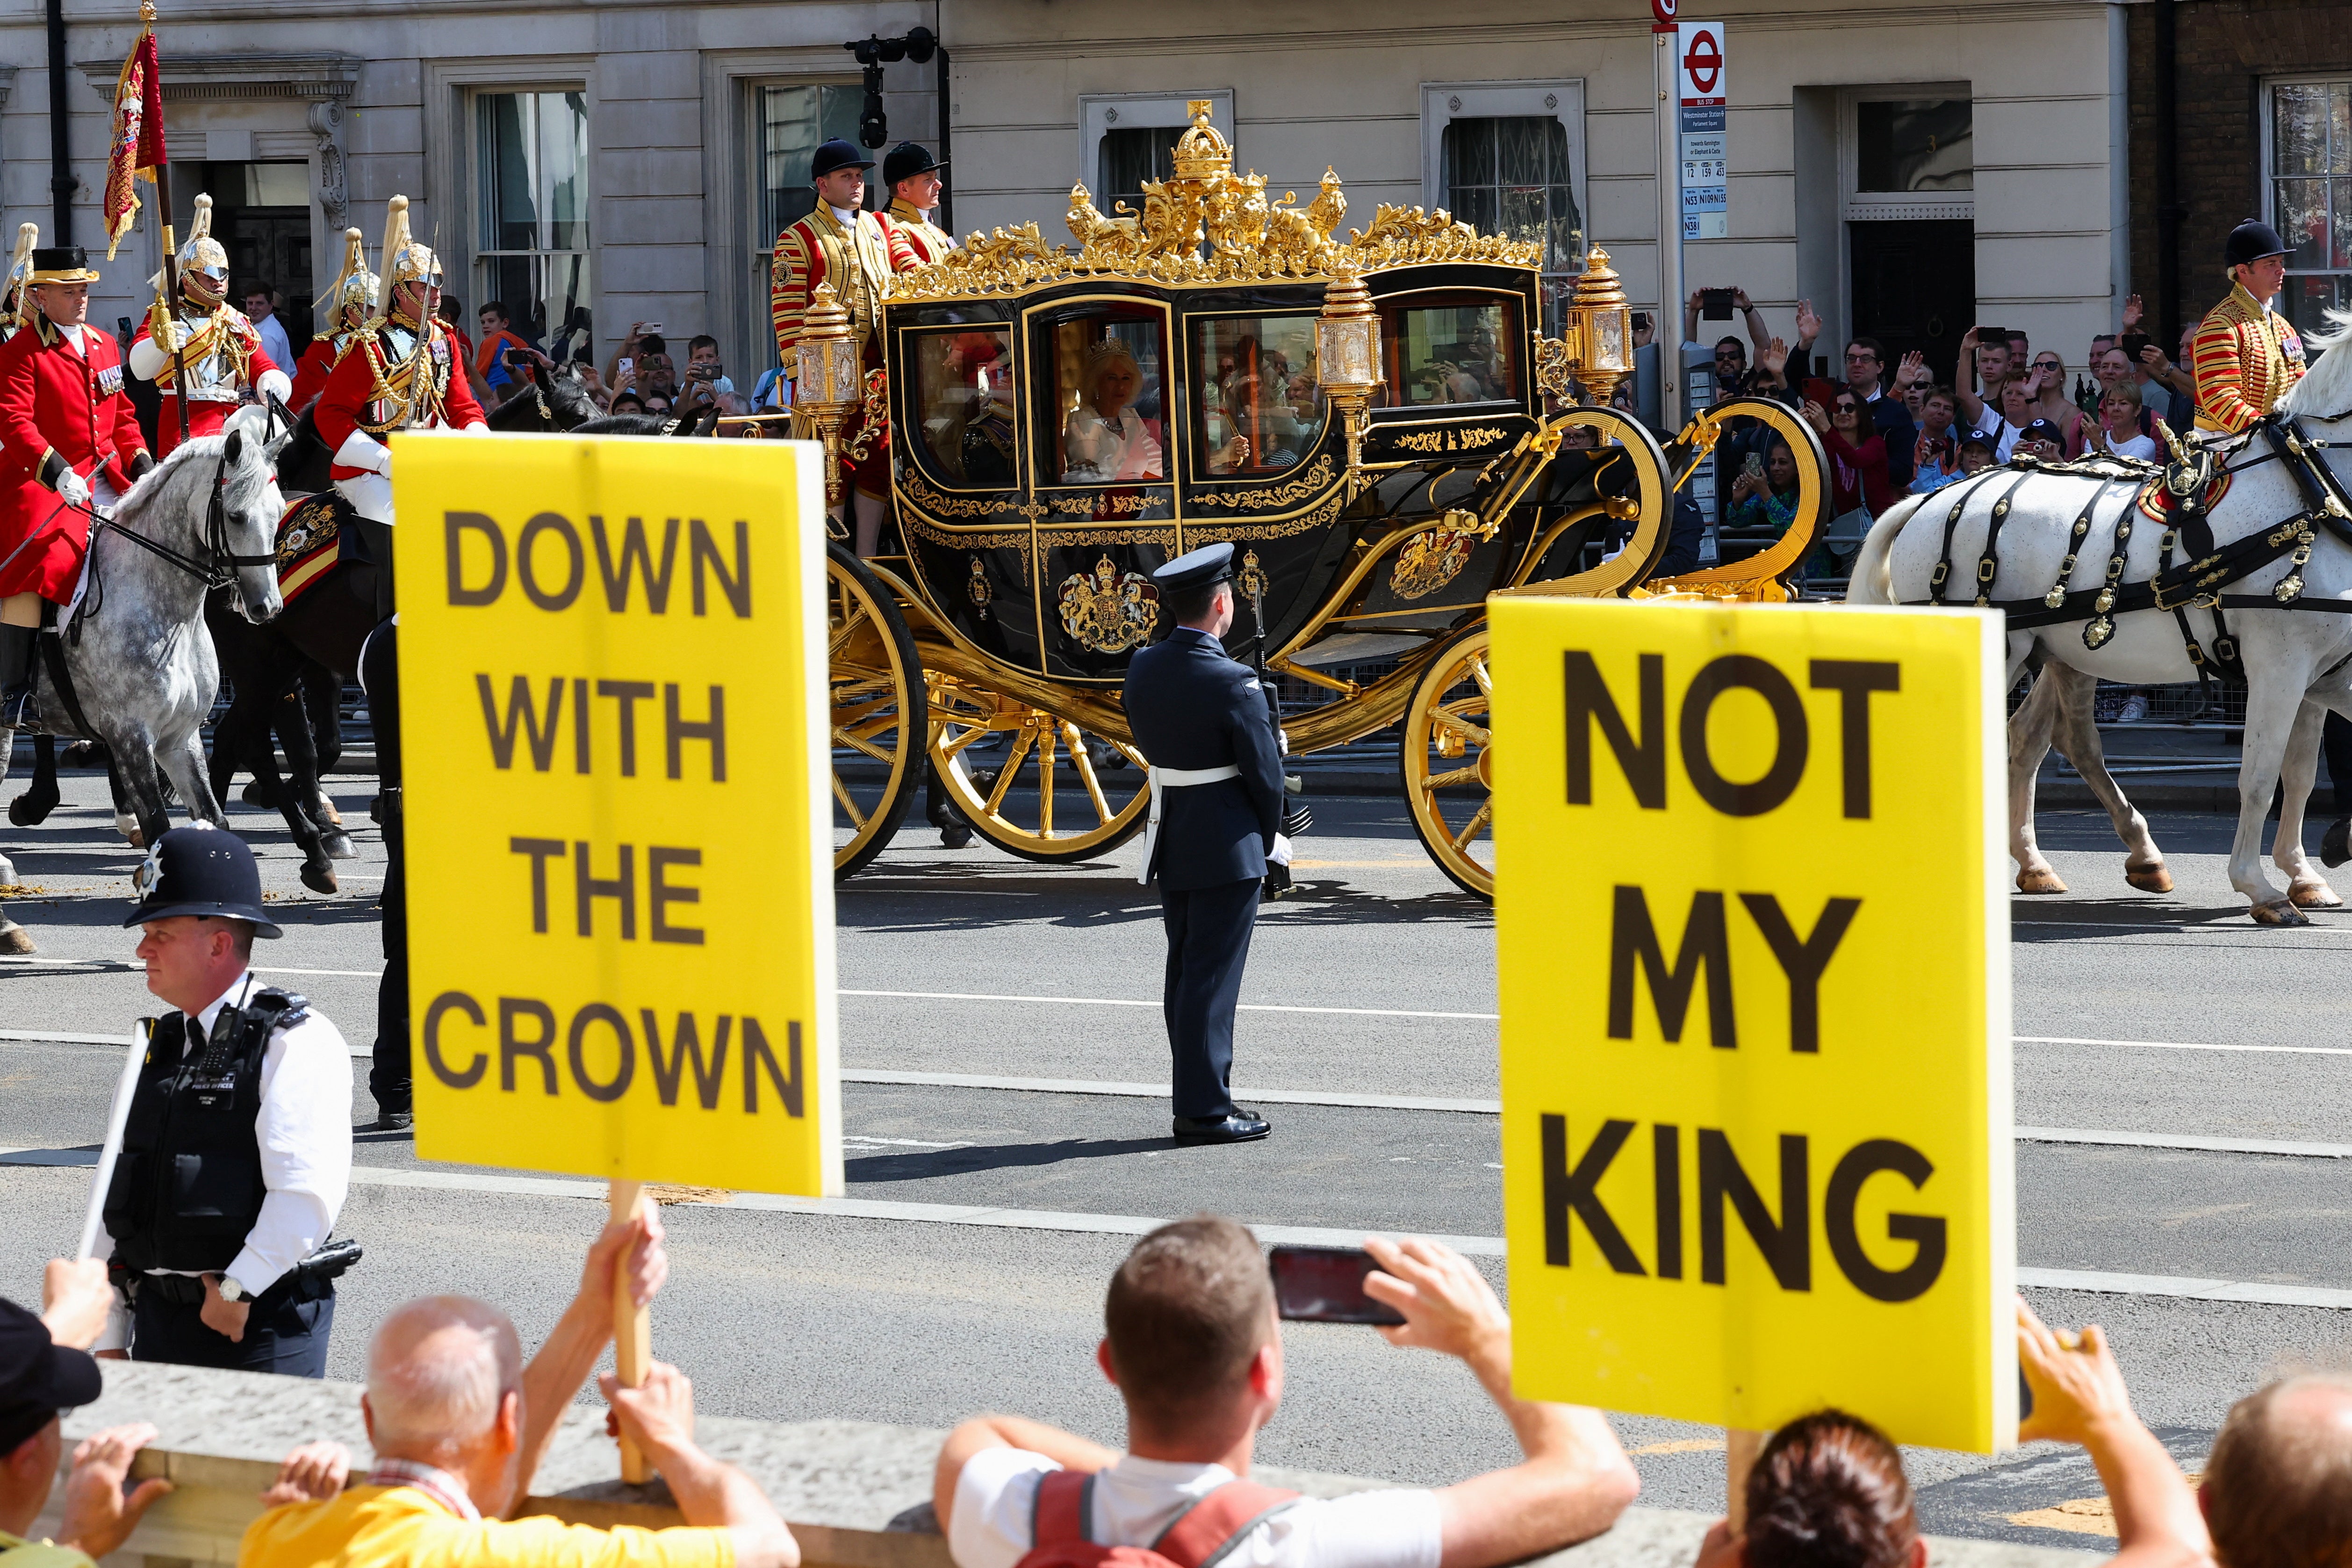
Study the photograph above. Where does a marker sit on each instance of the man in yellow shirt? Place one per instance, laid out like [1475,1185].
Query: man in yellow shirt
[458,1425]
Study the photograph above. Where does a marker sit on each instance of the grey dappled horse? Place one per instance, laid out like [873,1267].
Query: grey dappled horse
[141,661]
[2294,660]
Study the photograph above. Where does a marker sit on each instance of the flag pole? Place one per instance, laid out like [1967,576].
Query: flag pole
[170,273]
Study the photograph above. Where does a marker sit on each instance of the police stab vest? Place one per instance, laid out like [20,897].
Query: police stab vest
[188,1186]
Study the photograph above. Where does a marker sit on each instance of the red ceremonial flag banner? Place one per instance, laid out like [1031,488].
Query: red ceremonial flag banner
[138,139]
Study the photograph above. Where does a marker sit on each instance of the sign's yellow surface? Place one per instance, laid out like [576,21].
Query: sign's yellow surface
[615,749]
[1754,972]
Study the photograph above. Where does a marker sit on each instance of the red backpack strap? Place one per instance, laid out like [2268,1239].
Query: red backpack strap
[1203,1534]
[1063,1509]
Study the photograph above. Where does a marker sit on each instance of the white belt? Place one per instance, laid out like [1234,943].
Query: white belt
[1175,778]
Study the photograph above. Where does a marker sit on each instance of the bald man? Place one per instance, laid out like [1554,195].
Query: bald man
[2278,1488]
[460,1423]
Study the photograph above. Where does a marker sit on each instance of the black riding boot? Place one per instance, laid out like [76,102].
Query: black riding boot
[16,644]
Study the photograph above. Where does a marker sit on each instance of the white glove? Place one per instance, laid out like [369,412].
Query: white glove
[363,451]
[73,488]
[1282,742]
[1281,855]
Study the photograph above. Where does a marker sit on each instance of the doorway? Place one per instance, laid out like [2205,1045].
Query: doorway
[262,216]
[1915,287]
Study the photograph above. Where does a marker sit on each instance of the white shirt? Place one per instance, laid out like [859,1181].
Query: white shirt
[274,339]
[1136,1500]
[73,336]
[2133,447]
[305,1132]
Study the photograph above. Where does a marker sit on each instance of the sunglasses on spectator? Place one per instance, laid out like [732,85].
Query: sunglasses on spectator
[1847,405]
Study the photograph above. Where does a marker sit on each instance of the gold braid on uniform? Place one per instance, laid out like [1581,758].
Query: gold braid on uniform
[400,387]
[214,336]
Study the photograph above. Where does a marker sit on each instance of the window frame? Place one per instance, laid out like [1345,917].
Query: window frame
[919,450]
[1101,111]
[1039,366]
[1561,99]
[1878,206]
[1194,324]
[480,257]
[2267,174]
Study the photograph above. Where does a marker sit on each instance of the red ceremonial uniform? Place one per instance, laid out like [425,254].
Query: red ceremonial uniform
[855,258]
[60,407]
[223,358]
[311,370]
[924,240]
[376,389]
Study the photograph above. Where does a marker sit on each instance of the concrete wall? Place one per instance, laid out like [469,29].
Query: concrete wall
[856,1493]
[1311,82]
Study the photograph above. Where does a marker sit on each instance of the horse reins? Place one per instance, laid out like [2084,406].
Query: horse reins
[2197,579]
[220,572]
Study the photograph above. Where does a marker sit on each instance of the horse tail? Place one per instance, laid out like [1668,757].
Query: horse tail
[1872,580]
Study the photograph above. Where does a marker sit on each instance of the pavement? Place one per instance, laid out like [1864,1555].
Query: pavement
[1000,1037]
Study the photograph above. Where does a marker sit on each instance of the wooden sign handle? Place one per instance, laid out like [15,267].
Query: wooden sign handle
[632,1330]
[1739,1451]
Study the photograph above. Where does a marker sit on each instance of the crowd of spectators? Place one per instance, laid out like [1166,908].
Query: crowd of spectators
[459,1422]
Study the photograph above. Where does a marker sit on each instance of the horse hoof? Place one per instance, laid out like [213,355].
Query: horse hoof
[30,810]
[260,795]
[327,812]
[15,940]
[2282,914]
[338,846]
[2153,879]
[320,879]
[127,826]
[2313,896]
[2045,881]
[2336,846]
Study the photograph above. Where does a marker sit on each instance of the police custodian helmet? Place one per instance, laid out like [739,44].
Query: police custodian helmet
[205,871]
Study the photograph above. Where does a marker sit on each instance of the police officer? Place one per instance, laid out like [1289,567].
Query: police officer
[1202,723]
[238,1151]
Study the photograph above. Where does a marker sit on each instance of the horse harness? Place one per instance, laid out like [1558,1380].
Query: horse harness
[2192,570]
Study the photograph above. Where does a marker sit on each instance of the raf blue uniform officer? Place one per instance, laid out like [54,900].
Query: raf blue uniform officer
[1203,724]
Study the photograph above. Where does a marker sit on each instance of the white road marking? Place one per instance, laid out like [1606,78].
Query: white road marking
[132,966]
[2183,1046]
[2184,1140]
[1122,1002]
[2164,1285]
[1161,1091]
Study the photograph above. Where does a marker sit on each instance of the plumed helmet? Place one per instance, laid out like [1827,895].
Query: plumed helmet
[405,258]
[355,287]
[202,257]
[20,273]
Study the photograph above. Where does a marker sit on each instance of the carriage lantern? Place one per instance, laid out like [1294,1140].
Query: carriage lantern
[1347,353]
[1598,329]
[827,383]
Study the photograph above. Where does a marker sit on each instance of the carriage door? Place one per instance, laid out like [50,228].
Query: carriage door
[1100,480]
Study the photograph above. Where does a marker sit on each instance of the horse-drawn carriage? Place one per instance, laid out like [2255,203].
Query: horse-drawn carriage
[1374,422]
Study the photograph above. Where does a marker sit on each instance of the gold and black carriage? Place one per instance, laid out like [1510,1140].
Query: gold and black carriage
[1373,422]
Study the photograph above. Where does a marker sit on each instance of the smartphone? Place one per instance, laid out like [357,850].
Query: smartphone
[1715,304]
[652,327]
[1641,320]
[623,366]
[1326,1285]
[1754,467]
[2133,342]
[1988,337]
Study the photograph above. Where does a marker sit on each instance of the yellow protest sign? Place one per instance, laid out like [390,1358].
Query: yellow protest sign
[1754,974]
[615,750]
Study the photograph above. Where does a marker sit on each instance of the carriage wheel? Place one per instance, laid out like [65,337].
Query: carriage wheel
[878,711]
[992,754]
[1449,747]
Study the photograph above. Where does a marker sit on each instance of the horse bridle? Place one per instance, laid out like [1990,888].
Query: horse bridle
[219,572]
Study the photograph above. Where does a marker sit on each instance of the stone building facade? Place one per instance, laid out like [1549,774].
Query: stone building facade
[1909,169]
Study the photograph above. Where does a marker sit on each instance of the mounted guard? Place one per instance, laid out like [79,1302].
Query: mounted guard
[351,300]
[69,443]
[398,372]
[2245,355]
[838,243]
[206,348]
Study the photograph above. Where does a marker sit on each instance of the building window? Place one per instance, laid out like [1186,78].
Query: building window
[794,122]
[2310,168]
[531,247]
[1131,156]
[1509,158]
[1908,153]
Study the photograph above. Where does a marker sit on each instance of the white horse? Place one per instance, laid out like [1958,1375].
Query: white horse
[2292,657]
[140,660]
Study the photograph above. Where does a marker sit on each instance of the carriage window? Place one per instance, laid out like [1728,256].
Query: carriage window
[963,387]
[1108,396]
[1452,354]
[1254,393]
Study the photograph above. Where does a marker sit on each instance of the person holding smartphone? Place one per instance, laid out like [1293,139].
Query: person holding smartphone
[1194,1345]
